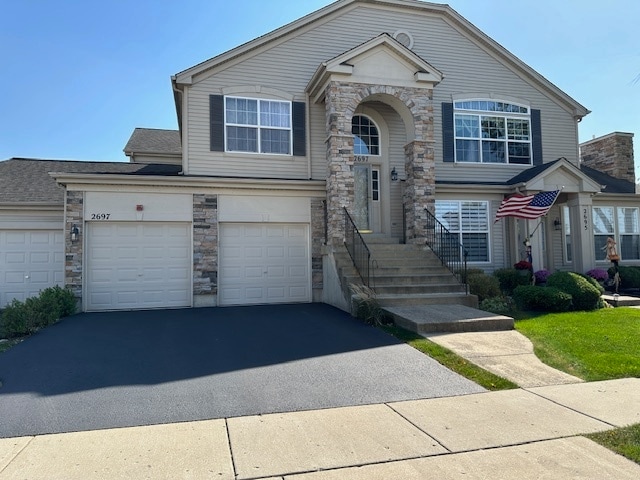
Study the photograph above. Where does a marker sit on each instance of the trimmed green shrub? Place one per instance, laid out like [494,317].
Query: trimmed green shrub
[593,282]
[629,276]
[469,273]
[484,286]
[497,305]
[585,295]
[510,278]
[23,318]
[545,299]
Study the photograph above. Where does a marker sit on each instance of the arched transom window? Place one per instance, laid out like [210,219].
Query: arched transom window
[366,140]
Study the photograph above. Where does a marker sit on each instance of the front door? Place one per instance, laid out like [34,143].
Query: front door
[366,205]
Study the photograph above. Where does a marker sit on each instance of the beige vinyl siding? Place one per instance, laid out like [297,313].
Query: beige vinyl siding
[288,66]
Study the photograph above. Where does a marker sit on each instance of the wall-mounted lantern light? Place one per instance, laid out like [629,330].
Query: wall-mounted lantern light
[75,233]
[557,224]
[394,175]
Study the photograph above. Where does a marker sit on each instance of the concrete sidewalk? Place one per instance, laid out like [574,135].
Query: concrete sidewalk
[525,433]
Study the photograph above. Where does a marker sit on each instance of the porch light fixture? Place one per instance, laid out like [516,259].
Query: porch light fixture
[394,175]
[75,233]
[557,224]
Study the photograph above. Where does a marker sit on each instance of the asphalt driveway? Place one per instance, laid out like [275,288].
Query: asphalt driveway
[116,369]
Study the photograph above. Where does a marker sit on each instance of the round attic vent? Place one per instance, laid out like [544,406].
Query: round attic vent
[404,38]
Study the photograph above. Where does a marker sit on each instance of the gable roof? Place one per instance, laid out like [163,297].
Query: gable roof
[154,140]
[27,180]
[452,17]
[345,64]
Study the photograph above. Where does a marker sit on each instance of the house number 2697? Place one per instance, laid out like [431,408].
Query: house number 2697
[100,216]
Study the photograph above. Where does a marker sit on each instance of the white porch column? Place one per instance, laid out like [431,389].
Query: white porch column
[581,232]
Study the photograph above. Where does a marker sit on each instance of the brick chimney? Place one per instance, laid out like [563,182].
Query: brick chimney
[611,154]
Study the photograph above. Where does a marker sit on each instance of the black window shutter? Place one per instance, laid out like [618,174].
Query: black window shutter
[299,129]
[216,117]
[448,152]
[536,137]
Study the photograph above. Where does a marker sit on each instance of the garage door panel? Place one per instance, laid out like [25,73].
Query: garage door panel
[30,261]
[15,257]
[146,266]
[273,268]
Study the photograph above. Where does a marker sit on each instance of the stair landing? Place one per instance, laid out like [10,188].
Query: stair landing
[447,318]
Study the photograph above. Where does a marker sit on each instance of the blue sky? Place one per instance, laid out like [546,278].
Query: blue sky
[79,75]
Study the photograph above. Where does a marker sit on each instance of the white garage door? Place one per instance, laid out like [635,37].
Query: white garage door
[138,265]
[30,261]
[264,263]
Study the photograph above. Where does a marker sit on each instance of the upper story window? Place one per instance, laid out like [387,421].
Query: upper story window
[366,139]
[258,126]
[489,131]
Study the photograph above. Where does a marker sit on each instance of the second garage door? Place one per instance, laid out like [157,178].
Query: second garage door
[136,265]
[264,263]
[30,261]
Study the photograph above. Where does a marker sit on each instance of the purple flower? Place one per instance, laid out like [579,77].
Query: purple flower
[598,274]
[542,275]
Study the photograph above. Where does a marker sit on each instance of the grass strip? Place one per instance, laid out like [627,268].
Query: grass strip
[625,441]
[450,360]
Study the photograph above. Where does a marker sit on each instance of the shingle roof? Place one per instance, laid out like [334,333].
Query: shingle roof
[27,180]
[611,184]
[151,140]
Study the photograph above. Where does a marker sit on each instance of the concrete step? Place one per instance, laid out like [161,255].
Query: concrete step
[378,239]
[448,318]
[418,289]
[417,277]
[621,300]
[394,300]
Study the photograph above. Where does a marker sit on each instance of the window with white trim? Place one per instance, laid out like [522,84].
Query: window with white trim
[469,220]
[566,225]
[258,126]
[491,131]
[629,231]
[603,227]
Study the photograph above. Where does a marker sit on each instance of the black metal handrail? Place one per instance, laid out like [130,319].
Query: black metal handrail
[447,247]
[357,248]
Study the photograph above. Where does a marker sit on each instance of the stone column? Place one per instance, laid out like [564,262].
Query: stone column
[74,217]
[205,250]
[340,182]
[582,242]
[317,241]
[419,192]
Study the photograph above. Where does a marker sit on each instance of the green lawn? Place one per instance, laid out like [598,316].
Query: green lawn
[598,345]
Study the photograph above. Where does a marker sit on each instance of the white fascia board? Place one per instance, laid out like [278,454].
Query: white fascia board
[181,182]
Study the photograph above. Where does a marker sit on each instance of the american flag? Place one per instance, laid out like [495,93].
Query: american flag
[527,206]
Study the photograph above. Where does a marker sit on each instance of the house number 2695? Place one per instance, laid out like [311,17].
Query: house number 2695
[585,219]
[100,216]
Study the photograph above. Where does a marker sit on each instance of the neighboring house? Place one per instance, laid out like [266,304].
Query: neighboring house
[383,107]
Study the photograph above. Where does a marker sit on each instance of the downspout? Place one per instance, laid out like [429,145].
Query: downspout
[183,134]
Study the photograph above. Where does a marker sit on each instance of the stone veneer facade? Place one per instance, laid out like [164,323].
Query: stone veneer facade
[341,101]
[317,241]
[205,249]
[74,216]
[611,154]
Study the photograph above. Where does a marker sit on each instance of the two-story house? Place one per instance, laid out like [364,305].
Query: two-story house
[390,109]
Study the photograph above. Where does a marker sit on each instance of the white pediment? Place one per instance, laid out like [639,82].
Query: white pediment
[380,61]
[565,176]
